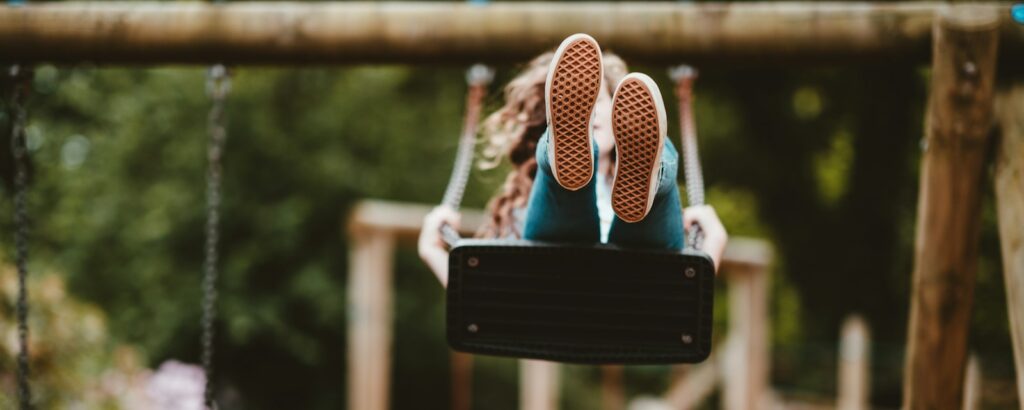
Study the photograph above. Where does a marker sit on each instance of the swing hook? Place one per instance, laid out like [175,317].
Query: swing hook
[218,82]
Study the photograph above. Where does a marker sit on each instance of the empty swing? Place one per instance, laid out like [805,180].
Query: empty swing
[578,303]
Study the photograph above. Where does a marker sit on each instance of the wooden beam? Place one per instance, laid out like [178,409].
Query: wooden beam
[972,384]
[742,362]
[746,363]
[791,33]
[462,381]
[538,385]
[958,120]
[1009,187]
[370,319]
[404,220]
[854,379]
[743,253]
[696,385]
[613,395]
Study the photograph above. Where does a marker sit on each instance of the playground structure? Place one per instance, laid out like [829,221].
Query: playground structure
[964,44]
[740,364]
[376,227]
[701,34]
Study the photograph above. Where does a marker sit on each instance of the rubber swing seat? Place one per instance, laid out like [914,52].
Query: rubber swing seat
[595,304]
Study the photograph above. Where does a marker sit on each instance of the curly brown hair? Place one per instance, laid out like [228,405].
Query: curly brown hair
[513,131]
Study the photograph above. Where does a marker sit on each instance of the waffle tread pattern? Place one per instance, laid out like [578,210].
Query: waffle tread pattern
[637,138]
[575,84]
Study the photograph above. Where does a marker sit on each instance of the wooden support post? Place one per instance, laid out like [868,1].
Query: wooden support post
[369,311]
[613,396]
[972,384]
[462,380]
[742,361]
[948,216]
[745,384]
[697,384]
[1009,187]
[854,363]
[538,385]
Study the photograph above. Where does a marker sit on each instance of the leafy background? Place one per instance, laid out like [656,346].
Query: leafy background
[821,162]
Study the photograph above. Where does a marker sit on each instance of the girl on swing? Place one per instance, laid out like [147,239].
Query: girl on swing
[591,161]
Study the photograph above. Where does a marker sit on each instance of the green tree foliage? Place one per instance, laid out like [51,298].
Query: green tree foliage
[74,362]
[821,162]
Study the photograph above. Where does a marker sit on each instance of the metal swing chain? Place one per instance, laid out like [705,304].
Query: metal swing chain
[218,84]
[684,77]
[22,79]
[478,77]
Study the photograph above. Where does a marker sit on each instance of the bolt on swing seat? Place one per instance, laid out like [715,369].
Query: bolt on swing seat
[594,304]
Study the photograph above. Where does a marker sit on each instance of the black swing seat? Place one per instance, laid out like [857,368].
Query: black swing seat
[595,304]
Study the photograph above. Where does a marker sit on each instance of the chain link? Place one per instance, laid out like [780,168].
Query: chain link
[22,84]
[684,76]
[478,77]
[218,85]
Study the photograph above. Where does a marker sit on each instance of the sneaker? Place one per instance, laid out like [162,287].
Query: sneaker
[571,90]
[639,126]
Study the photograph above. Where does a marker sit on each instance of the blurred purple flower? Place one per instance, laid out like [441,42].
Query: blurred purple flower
[177,386]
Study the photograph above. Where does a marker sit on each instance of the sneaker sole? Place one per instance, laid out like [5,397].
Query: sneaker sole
[638,124]
[574,82]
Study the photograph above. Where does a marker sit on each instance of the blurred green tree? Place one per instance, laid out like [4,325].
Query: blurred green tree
[74,362]
[822,162]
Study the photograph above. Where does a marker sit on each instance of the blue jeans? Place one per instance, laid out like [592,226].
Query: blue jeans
[556,214]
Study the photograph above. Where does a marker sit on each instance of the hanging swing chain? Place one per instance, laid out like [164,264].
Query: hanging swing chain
[478,78]
[684,76]
[22,81]
[218,85]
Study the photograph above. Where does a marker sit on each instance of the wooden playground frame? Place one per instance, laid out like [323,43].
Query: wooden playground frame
[376,227]
[740,365]
[964,45]
[276,33]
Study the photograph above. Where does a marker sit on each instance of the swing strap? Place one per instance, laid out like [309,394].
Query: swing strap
[478,77]
[684,77]
[21,77]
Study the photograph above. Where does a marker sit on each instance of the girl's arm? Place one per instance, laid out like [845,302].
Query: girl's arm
[431,246]
[715,236]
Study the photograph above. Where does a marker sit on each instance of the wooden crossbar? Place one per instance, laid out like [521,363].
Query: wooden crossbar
[275,33]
